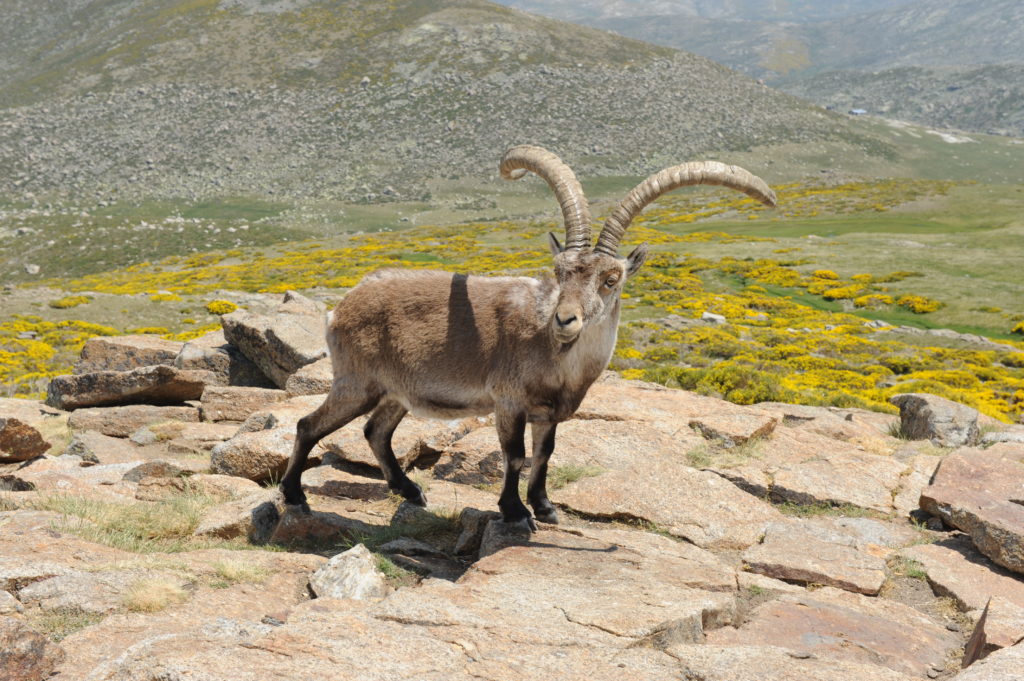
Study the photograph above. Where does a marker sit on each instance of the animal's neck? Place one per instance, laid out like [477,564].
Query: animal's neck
[593,349]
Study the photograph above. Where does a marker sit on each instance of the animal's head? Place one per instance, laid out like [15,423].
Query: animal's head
[590,277]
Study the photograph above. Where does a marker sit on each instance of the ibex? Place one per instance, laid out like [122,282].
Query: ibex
[449,345]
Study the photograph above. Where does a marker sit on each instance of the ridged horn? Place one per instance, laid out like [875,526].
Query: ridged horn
[561,179]
[700,172]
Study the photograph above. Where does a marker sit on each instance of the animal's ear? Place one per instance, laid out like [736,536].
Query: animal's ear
[556,247]
[635,259]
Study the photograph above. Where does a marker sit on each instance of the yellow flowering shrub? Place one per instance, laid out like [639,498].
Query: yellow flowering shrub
[164,297]
[220,307]
[873,300]
[918,304]
[842,292]
[824,274]
[68,302]
[1019,328]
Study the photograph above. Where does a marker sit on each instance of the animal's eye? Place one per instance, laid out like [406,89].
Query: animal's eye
[611,281]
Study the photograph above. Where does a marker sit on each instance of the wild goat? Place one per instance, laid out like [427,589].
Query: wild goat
[449,345]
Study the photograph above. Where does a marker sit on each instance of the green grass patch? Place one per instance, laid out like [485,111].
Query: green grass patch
[814,510]
[560,476]
[59,623]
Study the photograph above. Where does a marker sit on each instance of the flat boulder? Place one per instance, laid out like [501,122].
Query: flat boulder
[699,662]
[159,385]
[122,421]
[956,569]
[930,417]
[124,353]
[284,343]
[804,467]
[834,624]
[981,493]
[818,552]
[233,403]
[96,448]
[698,506]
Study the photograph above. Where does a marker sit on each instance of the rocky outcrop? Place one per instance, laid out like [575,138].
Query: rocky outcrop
[19,441]
[980,492]
[930,417]
[213,353]
[467,596]
[282,344]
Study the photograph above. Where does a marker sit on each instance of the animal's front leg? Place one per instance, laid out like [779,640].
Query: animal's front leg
[537,492]
[511,429]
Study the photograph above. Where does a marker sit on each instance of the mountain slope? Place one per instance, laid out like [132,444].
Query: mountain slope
[361,100]
[798,11]
[854,58]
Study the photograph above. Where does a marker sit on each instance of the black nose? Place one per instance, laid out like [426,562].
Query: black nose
[564,322]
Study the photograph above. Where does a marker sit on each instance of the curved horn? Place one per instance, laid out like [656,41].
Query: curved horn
[561,179]
[701,172]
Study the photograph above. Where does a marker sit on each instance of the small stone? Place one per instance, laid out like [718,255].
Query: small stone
[713,318]
[473,523]
[352,574]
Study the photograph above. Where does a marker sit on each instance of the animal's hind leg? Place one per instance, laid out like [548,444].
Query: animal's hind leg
[342,405]
[378,432]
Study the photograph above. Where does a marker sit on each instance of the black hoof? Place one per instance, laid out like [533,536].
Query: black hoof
[412,493]
[547,515]
[521,519]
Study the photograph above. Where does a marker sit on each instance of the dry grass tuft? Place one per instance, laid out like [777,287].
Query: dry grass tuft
[153,595]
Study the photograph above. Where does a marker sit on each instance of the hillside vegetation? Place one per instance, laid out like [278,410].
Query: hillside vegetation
[360,101]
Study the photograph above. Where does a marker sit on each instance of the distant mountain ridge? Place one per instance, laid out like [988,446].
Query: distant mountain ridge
[353,100]
[851,57]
